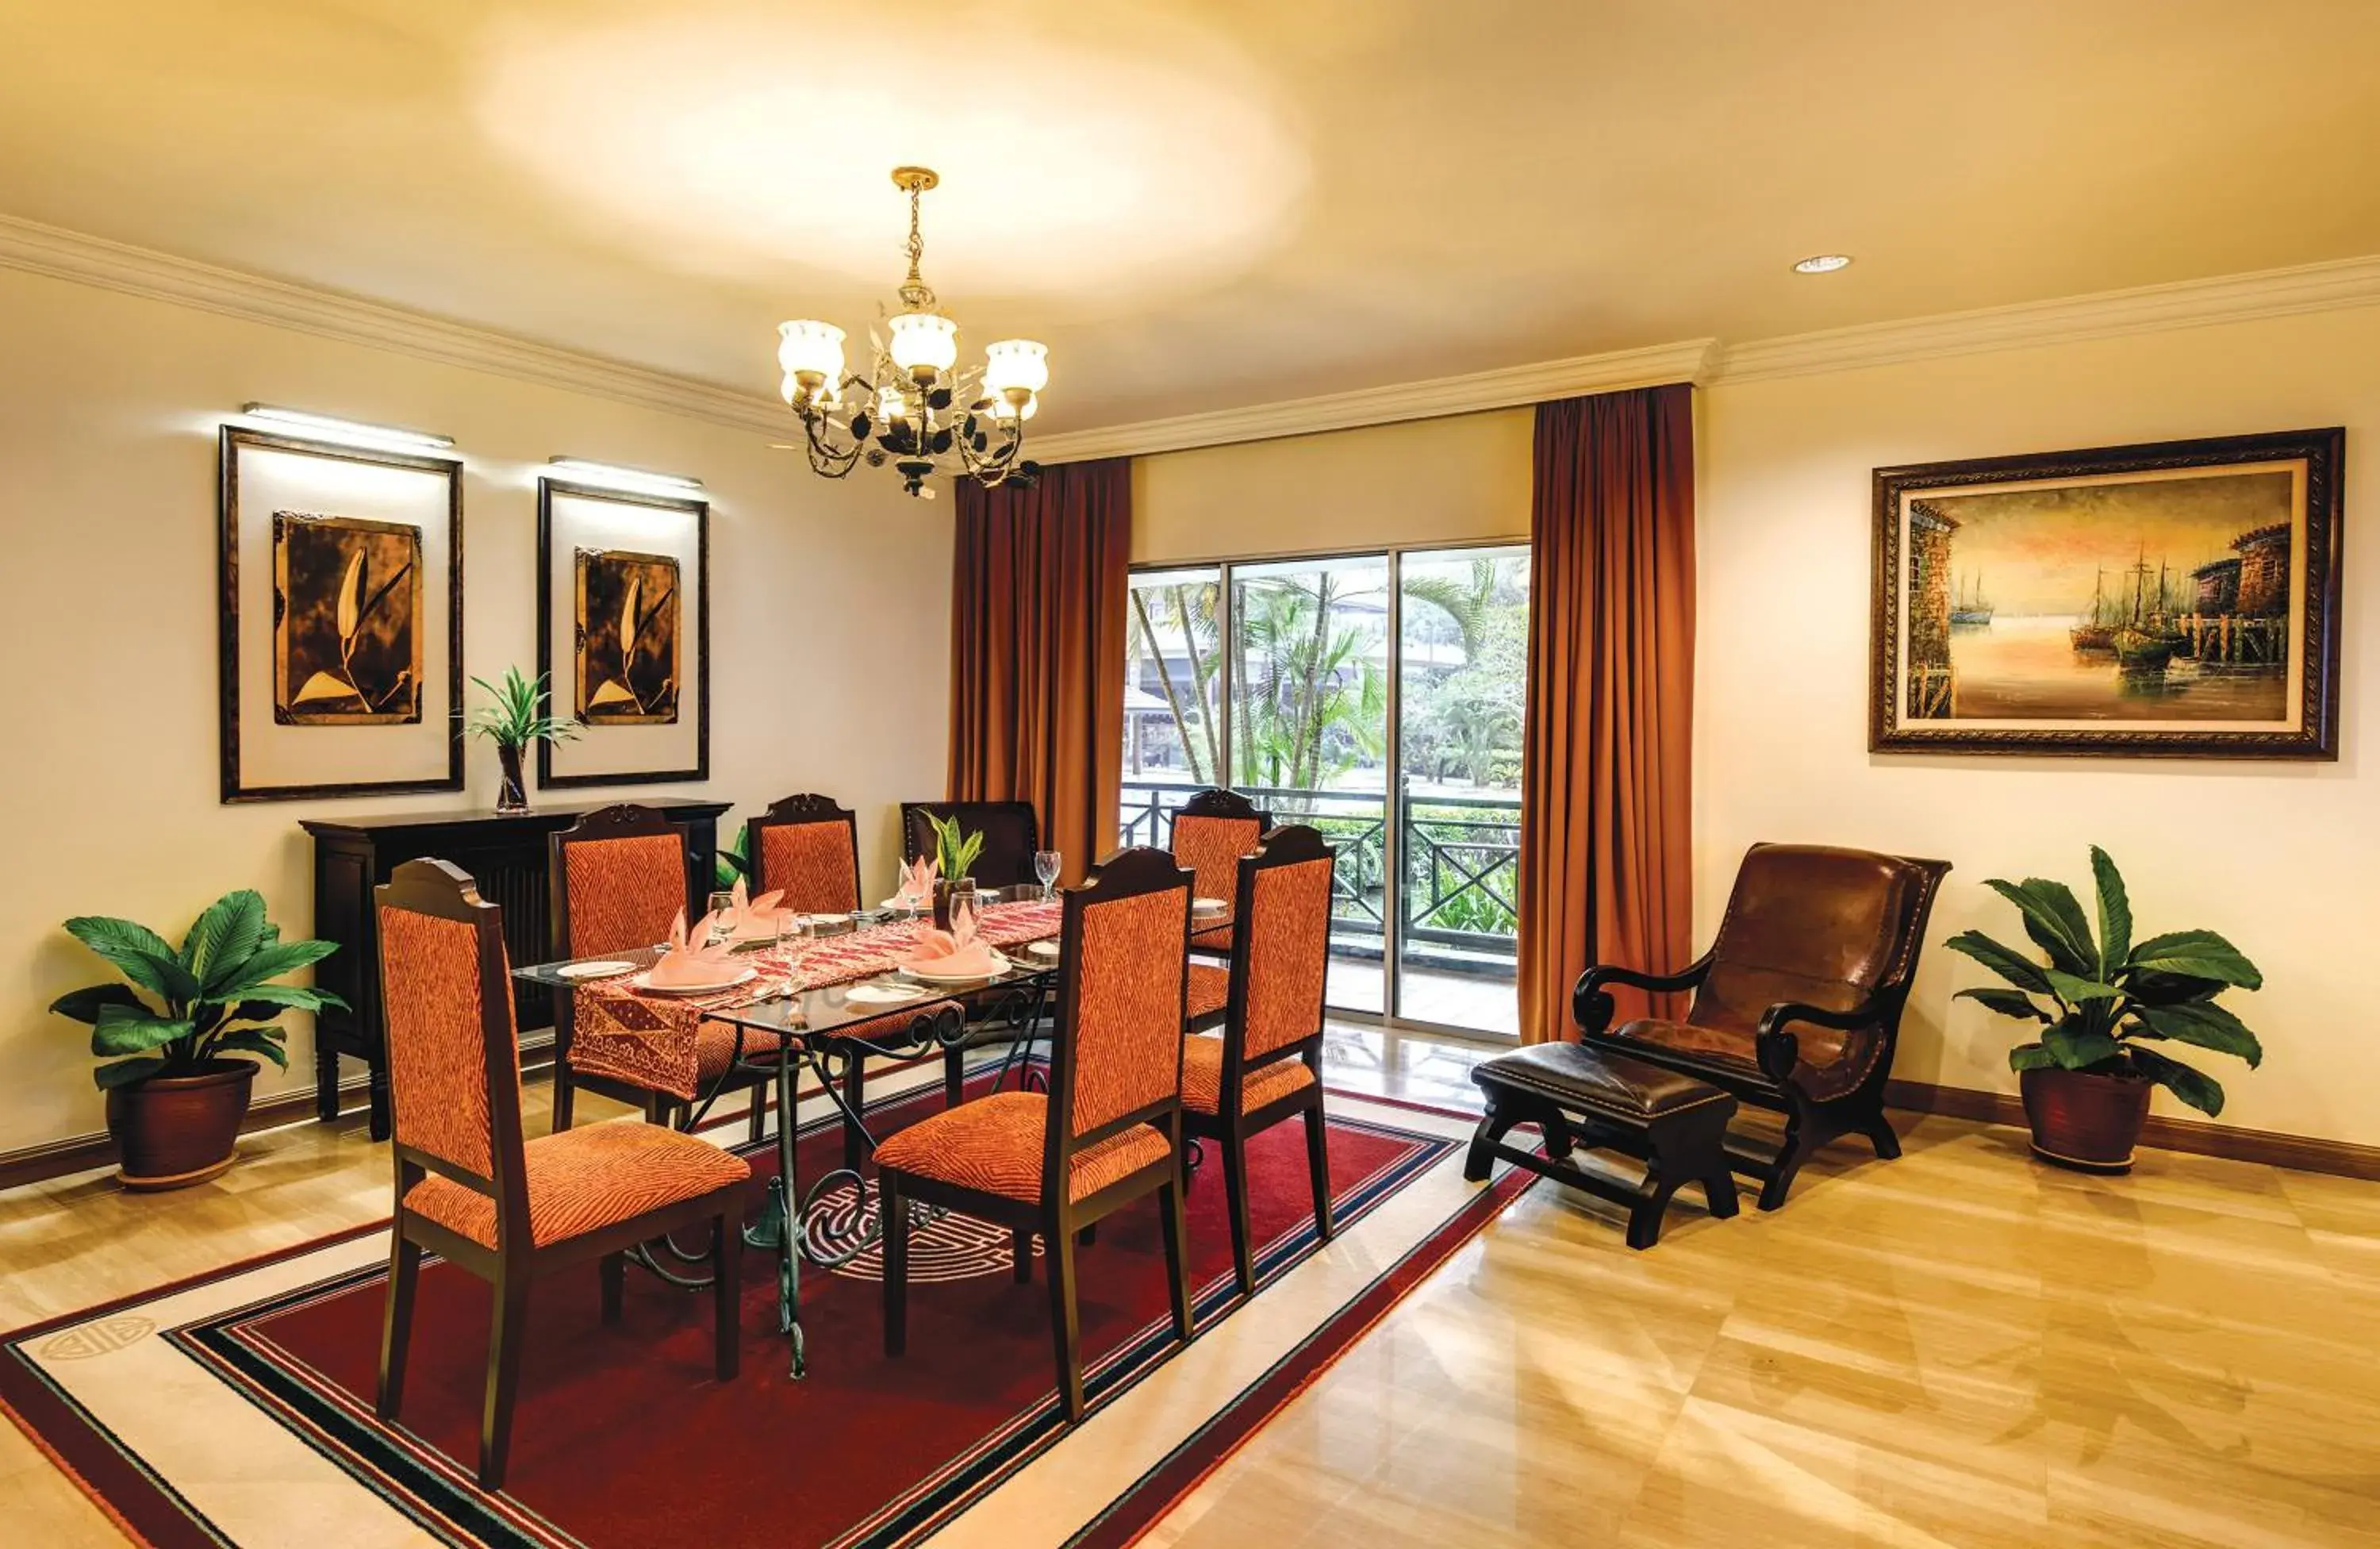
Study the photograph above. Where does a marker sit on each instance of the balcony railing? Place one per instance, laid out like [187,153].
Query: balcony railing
[1461,857]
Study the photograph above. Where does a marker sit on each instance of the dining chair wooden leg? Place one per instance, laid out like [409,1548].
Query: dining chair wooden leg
[396,1327]
[1020,1250]
[727,1293]
[1065,1334]
[1088,1237]
[1173,1217]
[953,1076]
[1317,1164]
[505,1342]
[615,1279]
[565,1094]
[1234,1147]
[896,1262]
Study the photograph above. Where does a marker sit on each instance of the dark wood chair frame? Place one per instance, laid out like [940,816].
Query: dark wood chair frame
[916,836]
[1810,1122]
[1057,1217]
[1219,801]
[437,888]
[1229,1128]
[624,821]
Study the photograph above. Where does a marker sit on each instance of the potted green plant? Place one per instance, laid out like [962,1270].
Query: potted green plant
[958,851]
[516,719]
[2110,1011]
[175,1097]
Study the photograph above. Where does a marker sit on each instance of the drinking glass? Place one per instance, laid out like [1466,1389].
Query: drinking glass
[721,900]
[792,929]
[1045,866]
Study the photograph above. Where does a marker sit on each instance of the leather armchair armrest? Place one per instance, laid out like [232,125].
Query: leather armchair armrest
[1591,1008]
[1779,1051]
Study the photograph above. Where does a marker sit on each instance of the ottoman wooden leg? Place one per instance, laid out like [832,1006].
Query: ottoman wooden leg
[1503,1112]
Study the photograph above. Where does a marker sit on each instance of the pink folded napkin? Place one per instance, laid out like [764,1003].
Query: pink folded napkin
[754,918]
[955,952]
[916,889]
[691,959]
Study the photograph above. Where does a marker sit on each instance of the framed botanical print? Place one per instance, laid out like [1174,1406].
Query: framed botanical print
[340,620]
[2179,599]
[624,634]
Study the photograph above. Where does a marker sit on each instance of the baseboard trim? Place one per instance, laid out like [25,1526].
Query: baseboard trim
[80,1154]
[2300,1153]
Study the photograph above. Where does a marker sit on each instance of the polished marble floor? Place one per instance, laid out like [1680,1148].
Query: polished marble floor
[1960,1348]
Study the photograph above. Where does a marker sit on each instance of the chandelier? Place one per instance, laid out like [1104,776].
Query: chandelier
[913,409]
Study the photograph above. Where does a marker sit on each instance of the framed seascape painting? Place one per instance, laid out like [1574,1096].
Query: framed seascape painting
[624,634]
[341,620]
[2179,599]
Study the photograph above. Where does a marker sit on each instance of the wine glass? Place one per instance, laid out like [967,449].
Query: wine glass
[792,929]
[721,900]
[1045,866]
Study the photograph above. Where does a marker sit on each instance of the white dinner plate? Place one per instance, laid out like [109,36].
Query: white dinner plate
[883,995]
[593,970]
[1209,906]
[999,965]
[895,903]
[1043,949]
[744,975]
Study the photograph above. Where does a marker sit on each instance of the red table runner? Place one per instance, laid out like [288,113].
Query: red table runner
[654,1041]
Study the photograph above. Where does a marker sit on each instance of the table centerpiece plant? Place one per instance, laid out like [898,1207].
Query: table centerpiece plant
[175,1095]
[516,719]
[2110,1011]
[955,850]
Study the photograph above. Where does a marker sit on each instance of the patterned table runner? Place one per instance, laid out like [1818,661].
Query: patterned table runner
[654,1041]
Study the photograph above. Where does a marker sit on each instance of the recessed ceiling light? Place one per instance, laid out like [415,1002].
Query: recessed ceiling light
[1824,263]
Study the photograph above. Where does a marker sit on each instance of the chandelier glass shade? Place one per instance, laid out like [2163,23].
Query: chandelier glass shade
[913,407]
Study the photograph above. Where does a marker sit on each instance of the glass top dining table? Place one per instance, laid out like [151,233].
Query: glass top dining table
[789,1024]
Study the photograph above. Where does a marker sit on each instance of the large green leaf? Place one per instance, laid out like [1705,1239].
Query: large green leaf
[2078,1048]
[2055,922]
[270,963]
[2196,1087]
[252,1040]
[2152,988]
[84,1006]
[2209,1027]
[140,952]
[226,935]
[2019,970]
[124,1072]
[2031,1056]
[2008,1003]
[2115,914]
[2078,990]
[2199,954]
[261,1002]
[134,1030]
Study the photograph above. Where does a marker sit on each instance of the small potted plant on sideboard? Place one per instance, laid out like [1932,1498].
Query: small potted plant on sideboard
[175,1095]
[2110,1011]
[513,722]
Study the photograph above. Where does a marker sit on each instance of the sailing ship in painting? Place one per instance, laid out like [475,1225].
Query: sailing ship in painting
[1970,610]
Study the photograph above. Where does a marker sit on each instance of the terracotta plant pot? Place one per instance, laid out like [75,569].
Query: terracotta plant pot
[171,1131]
[2085,1121]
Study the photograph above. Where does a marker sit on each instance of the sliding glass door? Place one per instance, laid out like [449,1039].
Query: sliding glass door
[1376,697]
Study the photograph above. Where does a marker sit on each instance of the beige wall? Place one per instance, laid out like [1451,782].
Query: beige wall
[108,409]
[2278,857]
[1425,481]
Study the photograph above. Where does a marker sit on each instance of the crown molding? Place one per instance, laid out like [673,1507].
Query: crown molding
[1507,387]
[2310,288]
[69,255]
[95,261]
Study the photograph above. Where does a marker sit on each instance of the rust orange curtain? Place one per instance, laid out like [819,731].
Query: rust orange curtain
[1038,650]
[1607,736]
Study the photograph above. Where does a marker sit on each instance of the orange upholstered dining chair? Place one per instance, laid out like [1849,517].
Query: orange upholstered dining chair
[807,847]
[471,1191]
[1267,1067]
[1108,1132]
[619,876]
[1211,831]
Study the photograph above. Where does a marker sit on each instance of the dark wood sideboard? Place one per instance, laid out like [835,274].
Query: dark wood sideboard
[507,857]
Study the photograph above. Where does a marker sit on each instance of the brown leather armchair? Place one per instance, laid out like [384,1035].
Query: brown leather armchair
[1797,1004]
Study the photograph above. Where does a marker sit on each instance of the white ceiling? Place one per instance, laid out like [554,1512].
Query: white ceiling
[1201,205]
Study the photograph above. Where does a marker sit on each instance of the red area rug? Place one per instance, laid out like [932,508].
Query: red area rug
[622,1438]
